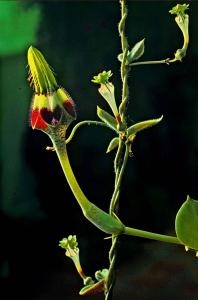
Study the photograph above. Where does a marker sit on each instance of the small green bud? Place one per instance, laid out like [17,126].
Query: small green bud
[107,118]
[103,77]
[180,54]
[136,52]
[101,274]
[113,144]
[120,57]
[88,280]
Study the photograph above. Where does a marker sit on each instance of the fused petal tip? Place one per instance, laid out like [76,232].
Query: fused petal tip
[40,74]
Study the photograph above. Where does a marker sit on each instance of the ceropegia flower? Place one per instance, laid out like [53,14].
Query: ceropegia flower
[182,20]
[51,104]
[70,244]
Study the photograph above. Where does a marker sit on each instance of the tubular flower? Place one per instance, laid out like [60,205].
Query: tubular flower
[51,104]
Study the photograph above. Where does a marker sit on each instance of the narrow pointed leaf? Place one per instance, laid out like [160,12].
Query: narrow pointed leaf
[136,52]
[186,223]
[143,125]
[113,144]
[107,118]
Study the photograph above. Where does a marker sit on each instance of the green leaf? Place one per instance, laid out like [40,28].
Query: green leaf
[136,52]
[113,144]
[186,223]
[107,118]
[132,130]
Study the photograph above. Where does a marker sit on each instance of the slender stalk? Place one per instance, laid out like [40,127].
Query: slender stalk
[151,235]
[71,179]
[77,126]
[86,122]
[151,62]
[104,221]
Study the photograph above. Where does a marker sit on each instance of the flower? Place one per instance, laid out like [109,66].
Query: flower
[70,244]
[51,104]
[182,20]
[106,90]
[102,77]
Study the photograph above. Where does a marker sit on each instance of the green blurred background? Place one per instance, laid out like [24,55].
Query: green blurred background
[79,39]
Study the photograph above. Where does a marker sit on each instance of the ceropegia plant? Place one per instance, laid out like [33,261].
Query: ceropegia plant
[53,110]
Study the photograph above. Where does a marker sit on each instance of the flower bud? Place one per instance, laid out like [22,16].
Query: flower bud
[107,91]
[51,104]
[182,20]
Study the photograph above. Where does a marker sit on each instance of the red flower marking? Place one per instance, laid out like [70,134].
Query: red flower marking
[70,107]
[37,121]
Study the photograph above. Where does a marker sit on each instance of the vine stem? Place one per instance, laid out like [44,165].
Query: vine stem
[120,161]
[118,181]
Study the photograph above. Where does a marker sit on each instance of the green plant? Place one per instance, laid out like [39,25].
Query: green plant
[53,110]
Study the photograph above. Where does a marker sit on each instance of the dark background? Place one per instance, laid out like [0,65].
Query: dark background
[80,39]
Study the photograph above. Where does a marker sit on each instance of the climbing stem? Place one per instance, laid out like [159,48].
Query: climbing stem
[124,44]
[118,182]
[119,162]
[117,159]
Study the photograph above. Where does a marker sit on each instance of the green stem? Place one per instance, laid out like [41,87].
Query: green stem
[117,159]
[94,214]
[86,122]
[124,43]
[151,235]
[119,162]
[71,179]
[118,182]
